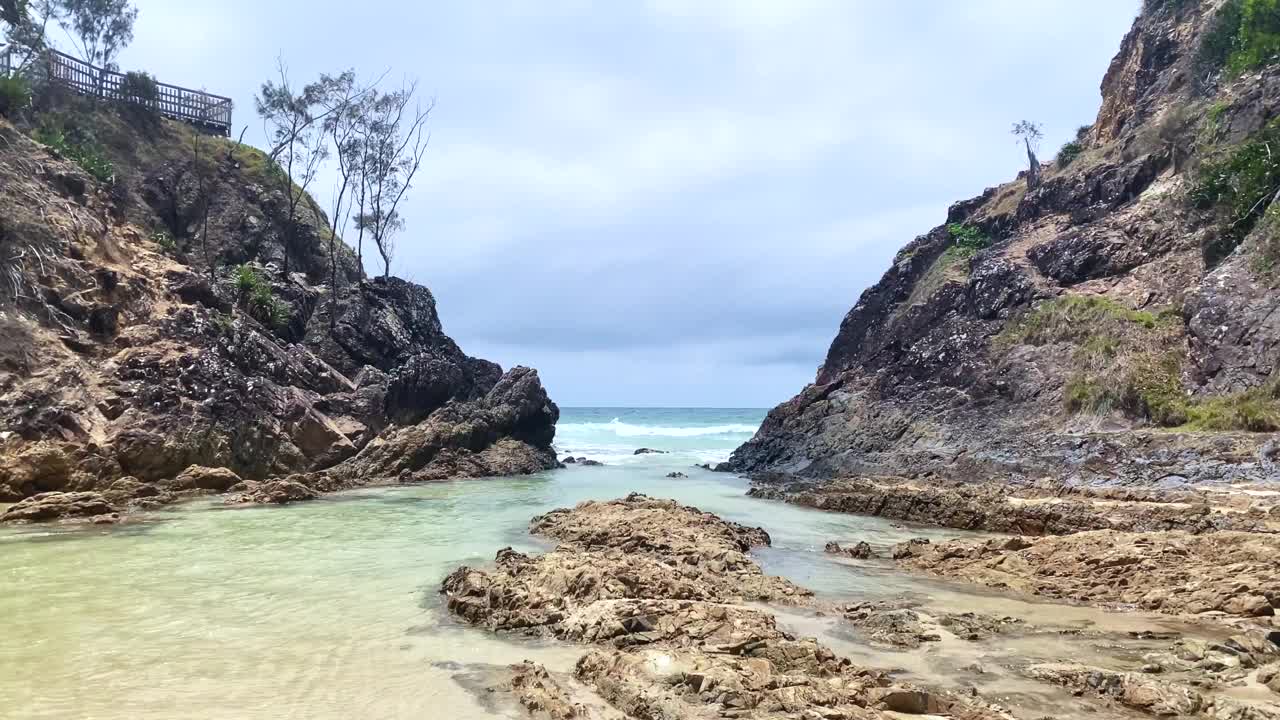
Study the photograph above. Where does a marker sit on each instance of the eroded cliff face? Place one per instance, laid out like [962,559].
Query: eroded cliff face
[123,356]
[1101,327]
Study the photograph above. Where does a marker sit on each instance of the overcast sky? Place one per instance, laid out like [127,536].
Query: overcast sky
[670,202]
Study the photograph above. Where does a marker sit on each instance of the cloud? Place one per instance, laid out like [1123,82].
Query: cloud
[672,202]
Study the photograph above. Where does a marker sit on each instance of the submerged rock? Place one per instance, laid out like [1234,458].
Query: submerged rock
[861,551]
[649,451]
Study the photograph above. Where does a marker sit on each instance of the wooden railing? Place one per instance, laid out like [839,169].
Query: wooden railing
[204,110]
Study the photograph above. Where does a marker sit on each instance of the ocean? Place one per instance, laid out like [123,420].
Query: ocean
[691,436]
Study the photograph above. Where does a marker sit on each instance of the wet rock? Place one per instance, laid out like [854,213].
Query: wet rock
[676,475]
[49,506]
[272,492]
[649,451]
[540,694]
[197,477]
[569,460]
[658,587]
[1134,690]
[890,624]
[589,463]
[911,548]
[860,551]
[1027,510]
[1172,572]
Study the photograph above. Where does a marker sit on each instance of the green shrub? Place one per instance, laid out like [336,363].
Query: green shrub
[1243,36]
[255,291]
[1069,152]
[85,152]
[968,237]
[1237,186]
[15,95]
[164,240]
[140,88]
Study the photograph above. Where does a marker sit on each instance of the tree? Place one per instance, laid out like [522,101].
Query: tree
[1030,135]
[100,29]
[25,24]
[292,120]
[344,121]
[395,142]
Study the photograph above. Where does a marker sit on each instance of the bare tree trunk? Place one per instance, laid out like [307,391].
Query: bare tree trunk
[1033,167]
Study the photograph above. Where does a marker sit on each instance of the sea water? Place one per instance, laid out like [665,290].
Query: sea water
[330,608]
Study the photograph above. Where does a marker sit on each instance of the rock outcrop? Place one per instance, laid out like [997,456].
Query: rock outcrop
[1052,332]
[1231,573]
[657,589]
[132,346]
[75,506]
[1026,510]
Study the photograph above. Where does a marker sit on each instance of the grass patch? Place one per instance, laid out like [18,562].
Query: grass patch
[1079,319]
[1266,255]
[80,148]
[164,240]
[1131,361]
[952,264]
[1124,359]
[1236,186]
[1253,410]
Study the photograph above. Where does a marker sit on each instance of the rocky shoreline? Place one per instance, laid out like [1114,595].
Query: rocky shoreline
[679,621]
[1030,509]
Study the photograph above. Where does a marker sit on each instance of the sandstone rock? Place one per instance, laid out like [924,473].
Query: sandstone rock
[273,492]
[49,506]
[910,548]
[1029,510]
[659,587]
[1169,572]
[541,695]
[197,477]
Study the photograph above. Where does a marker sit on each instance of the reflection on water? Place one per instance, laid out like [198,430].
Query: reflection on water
[329,609]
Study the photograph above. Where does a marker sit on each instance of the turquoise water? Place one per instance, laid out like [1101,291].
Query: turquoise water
[329,609]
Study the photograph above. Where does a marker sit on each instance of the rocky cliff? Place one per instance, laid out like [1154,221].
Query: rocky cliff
[129,350]
[1115,323]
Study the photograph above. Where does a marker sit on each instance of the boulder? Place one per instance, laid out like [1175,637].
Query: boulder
[48,506]
[273,492]
[198,477]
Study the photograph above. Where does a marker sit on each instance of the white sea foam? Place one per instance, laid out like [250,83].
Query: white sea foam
[622,429]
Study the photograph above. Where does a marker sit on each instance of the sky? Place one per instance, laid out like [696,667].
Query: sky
[669,202]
